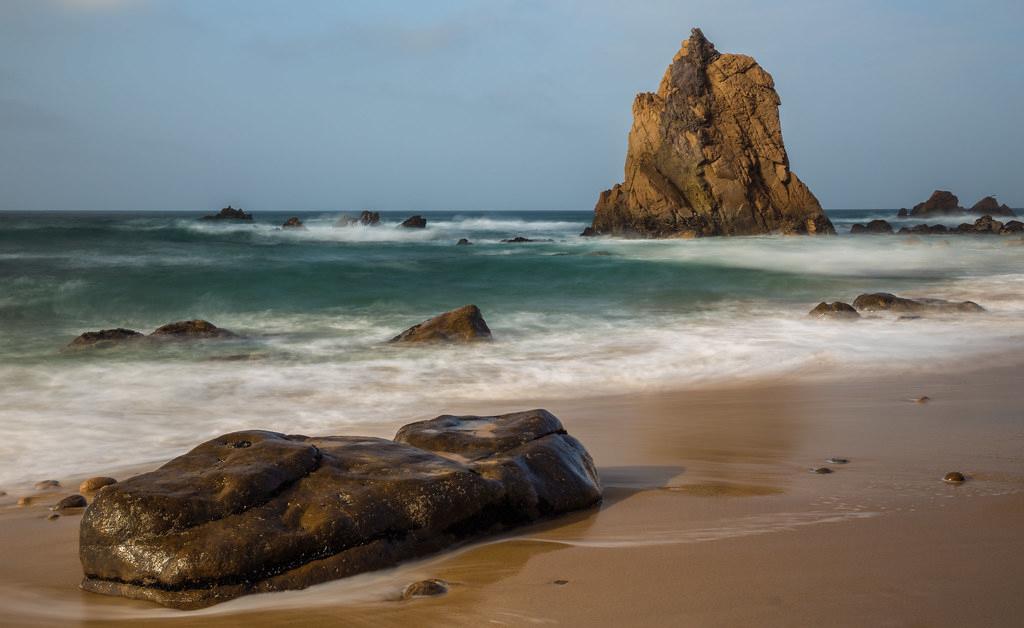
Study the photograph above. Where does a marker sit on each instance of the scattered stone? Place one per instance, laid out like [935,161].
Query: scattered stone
[924,399]
[463,242]
[71,501]
[884,301]
[989,205]
[874,227]
[229,213]
[192,329]
[902,213]
[290,511]
[24,500]
[43,485]
[940,203]
[465,324]
[837,460]
[293,223]
[561,582]
[924,229]
[92,485]
[425,588]
[954,477]
[837,309]
[104,338]
[414,222]
[588,233]
[706,156]
[821,470]
[52,516]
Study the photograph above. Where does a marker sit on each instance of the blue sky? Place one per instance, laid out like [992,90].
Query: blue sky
[499,104]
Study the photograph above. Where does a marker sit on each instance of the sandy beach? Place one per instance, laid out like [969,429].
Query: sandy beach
[711,517]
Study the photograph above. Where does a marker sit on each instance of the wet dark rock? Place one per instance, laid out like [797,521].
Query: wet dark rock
[902,213]
[588,233]
[366,217]
[293,223]
[465,324]
[44,485]
[290,511]
[92,485]
[954,477]
[191,329]
[229,213]
[989,205]
[1013,226]
[522,240]
[837,460]
[24,500]
[940,203]
[415,222]
[463,242]
[923,229]
[884,301]
[104,338]
[908,318]
[71,501]
[560,582]
[425,588]
[874,227]
[924,399]
[821,470]
[837,309]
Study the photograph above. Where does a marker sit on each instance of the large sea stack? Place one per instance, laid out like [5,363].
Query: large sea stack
[706,156]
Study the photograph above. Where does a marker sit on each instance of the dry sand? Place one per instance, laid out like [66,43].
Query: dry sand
[711,518]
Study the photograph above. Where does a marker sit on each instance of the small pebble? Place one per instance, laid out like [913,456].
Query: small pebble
[45,484]
[425,588]
[52,516]
[71,501]
[922,400]
[821,470]
[837,460]
[561,582]
[954,477]
[94,484]
[24,501]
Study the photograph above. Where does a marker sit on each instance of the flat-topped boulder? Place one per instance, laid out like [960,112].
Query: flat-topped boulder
[197,328]
[104,338]
[257,511]
[465,324]
[989,205]
[873,227]
[941,202]
[414,222]
[229,213]
[706,156]
[837,310]
[884,301]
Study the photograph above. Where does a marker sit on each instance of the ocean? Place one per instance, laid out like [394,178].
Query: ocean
[571,317]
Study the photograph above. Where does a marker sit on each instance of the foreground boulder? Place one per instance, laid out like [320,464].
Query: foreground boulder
[414,222]
[465,324]
[884,301]
[706,156]
[191,329]
[989,205]
[940,203]
[834,310]
[104,338]
[258,511]
[872,227]
[229,213]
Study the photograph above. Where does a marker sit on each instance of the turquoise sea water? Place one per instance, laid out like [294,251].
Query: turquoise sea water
[571,316]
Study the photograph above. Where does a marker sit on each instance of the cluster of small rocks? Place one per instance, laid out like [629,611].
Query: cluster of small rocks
[195,329]
[887,302]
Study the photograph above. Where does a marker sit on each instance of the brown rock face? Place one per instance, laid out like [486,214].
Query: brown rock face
[884,301]
[706,156]
[191,329]
[939,203]
[414,222]
[989,205]
[259,511]
[837,309]
[293,223]
[465,324]
[104,338]
[874,227]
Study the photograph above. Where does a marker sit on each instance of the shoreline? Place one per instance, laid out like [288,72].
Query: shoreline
[707,491]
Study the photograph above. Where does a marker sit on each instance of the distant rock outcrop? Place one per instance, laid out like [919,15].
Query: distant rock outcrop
[837,309]
[884,301]
[104,338]
[989,205]
[293,223]
[229,213]
[706,156]
[366,217]
[191,329]
[415,222]
[872,227]
[465,324]
[940,203]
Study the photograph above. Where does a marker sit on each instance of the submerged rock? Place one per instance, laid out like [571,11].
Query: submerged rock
[884,301]
[465,324]
[191,329]
[989,205]
[872,227]
[71,501]
[229,213]
[104,338]
[293,223]
[954,477]
[939,203]
[45,485]
[837,309]
[414,222]
[258,511]
[91,485]
[706,156]
[463,242]
[425,588]
[522,240]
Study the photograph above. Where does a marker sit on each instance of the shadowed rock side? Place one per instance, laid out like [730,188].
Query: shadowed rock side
[414,222]
[259,511]
[706,156]
[191,329]
[229,213]
[940,203]
[104,338]
[465,324]
[874,227]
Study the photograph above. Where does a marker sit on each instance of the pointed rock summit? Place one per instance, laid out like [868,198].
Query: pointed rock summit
[706,156]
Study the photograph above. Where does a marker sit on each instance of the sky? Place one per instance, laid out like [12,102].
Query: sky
[493,104]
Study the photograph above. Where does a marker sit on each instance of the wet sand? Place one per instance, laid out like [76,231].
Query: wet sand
[711,517]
